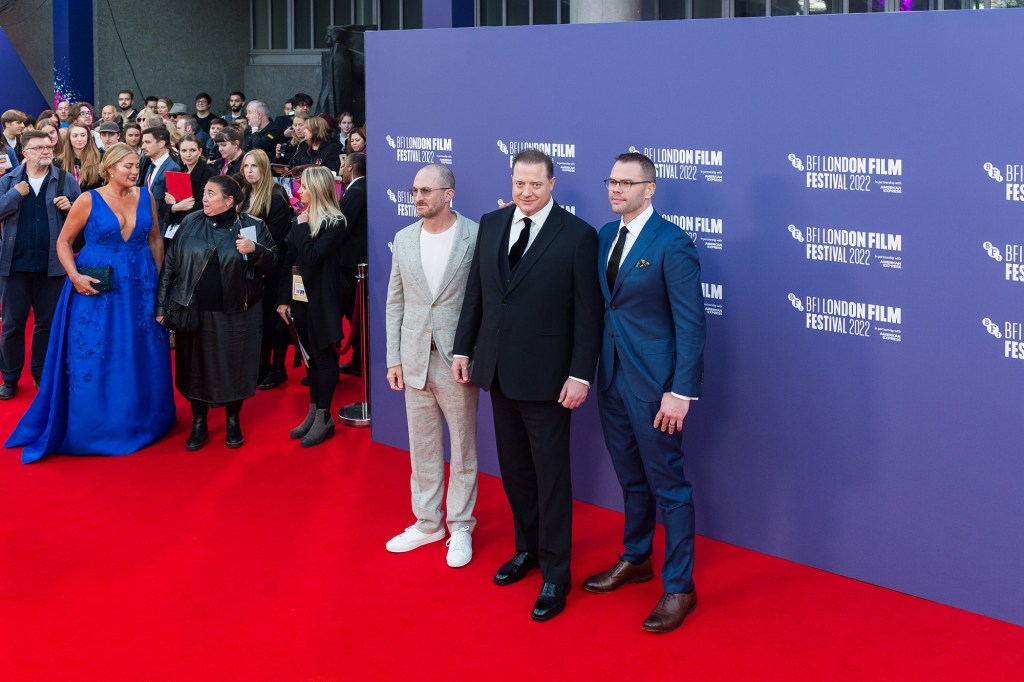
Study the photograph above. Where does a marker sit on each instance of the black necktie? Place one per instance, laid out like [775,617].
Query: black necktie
[149,175]
[613,261]
[515,254]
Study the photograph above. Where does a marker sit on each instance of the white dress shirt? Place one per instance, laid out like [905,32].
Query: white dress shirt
[157,163]
[537,219]
[633,229]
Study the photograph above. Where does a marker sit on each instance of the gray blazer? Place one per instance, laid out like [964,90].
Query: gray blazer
[414,317]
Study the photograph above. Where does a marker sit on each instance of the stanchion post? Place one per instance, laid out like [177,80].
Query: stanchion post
[358,414]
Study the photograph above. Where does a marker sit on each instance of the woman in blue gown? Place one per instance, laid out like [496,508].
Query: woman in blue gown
[106,386]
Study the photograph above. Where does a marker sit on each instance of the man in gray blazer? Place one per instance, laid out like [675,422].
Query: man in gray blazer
[429,267]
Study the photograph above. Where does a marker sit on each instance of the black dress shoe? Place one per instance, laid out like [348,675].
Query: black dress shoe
[516,568]
[353,367]
[551,601]
[8,390]
[275,377]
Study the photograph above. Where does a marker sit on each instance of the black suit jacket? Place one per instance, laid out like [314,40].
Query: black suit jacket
[353,205]
[538,326]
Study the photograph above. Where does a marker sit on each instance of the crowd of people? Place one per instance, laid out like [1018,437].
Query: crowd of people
[528,304]
[115,269]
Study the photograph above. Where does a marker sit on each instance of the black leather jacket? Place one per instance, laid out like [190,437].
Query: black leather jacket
[190,251]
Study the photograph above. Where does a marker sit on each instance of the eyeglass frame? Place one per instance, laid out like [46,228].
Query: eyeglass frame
[625,185]
[425,191]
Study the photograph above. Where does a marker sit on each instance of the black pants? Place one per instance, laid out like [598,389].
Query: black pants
[322,370]
[22,292]
[533,454]
[275,341]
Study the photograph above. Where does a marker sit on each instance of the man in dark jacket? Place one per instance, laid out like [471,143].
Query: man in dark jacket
[354,251]
[264,133]
[34,200]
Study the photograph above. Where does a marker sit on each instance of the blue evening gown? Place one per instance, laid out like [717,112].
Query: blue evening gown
[106,385]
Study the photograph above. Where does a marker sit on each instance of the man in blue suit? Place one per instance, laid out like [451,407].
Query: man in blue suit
[650,369]
[156,145]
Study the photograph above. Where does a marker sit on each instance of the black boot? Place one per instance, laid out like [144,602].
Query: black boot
[200,432]
[234,426]
[275,377]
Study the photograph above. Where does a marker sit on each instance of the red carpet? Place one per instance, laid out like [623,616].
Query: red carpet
[268,563]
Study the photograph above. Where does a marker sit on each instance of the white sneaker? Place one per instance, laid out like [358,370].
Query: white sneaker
[411,538]
[460,548]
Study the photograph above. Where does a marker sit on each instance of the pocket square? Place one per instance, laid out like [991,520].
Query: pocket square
[642,263]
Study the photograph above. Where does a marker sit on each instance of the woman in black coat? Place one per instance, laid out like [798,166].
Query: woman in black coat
[199,173]
[229,144]
[215,271]
[313,302]
[319,148]
[267,200]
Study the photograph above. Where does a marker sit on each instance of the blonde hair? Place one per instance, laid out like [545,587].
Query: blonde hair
[113,156]
[151,120]
[89,163]
[172,130]
[259,195]
[323,197]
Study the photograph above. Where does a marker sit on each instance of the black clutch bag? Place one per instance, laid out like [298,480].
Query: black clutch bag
[105,275]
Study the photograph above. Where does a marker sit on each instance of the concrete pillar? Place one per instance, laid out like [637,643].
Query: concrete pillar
[601,11]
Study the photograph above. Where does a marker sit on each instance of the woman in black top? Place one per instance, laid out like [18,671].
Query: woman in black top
[311,298]
[229,144]
[286,151]
[214,267]
[266,200]
[319,148]
[199,173]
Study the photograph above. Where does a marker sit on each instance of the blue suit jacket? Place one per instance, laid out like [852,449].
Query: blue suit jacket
[654,316]
[159,189]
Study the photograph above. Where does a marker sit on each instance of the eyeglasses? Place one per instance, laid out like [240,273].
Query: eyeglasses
[425,191]
[41,149]
[626,185]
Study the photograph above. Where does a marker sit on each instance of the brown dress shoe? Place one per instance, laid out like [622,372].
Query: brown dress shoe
[671,611]
[618,575]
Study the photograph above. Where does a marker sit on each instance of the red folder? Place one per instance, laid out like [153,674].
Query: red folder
[179,185]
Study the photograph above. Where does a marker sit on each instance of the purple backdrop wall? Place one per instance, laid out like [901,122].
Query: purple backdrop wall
[19,91]
[854,187]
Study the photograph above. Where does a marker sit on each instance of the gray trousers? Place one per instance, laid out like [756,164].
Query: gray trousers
[442,397]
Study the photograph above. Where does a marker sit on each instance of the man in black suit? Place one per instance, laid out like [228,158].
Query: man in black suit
[531,323]
[354,249]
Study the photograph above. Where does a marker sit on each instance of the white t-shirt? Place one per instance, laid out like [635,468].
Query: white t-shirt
[435,250]
[36,183]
